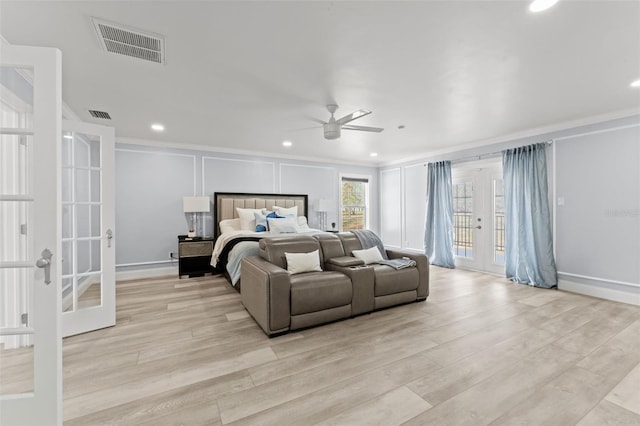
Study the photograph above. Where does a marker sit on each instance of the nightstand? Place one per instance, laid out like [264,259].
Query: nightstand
[194,256]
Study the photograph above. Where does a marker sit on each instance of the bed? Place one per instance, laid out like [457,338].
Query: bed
[236,237]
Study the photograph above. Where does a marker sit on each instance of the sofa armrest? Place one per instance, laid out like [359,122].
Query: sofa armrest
[362,283]
[422,263]
[345,261]
[265,292]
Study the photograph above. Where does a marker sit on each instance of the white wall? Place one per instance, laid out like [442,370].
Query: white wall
[150,184]
[597,172]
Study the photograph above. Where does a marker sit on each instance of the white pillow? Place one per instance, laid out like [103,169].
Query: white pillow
[370,255]
[247,219]
[298,263]
[284,211]
[283,225]
[302,224]
[228,225]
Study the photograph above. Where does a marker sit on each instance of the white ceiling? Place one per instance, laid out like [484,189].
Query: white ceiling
[245,75]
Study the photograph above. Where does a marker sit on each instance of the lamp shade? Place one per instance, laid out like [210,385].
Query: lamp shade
[324,205]
[195,204]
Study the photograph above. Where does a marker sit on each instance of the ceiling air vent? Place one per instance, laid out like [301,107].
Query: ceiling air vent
[116,38]
[100,114]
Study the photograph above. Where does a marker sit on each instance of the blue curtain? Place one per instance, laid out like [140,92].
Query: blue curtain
[528,245]
[438,234]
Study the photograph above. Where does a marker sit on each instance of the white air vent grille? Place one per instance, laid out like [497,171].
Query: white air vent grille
[119,39]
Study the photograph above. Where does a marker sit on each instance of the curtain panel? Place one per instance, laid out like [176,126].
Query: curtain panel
[438,234]
[528,244]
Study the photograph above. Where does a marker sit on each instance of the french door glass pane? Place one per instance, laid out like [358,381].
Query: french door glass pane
[16,350]
[81,221]
[15,151]
[498,222]
[14,244]
[16,364]
[16,97]
[462,219]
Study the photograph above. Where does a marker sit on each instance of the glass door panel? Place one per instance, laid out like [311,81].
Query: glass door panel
[88,273]
[463,219]
[498,222]
[81,219]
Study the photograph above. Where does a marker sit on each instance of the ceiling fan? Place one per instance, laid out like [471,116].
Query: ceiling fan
[333,127]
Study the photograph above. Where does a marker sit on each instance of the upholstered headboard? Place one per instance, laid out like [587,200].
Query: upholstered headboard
[225,203]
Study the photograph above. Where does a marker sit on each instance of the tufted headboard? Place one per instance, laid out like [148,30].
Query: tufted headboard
[225,203]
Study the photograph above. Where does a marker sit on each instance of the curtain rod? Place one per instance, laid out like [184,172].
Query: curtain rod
[487,155]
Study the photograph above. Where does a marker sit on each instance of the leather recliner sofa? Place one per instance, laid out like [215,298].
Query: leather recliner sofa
[279,301]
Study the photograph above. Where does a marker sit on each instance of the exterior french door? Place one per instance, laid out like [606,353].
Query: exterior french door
[88,245]
[478,217]
[30,249]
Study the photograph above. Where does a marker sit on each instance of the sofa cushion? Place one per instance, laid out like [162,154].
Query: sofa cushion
[349,243]
[331,246]
[298,263]
[315,291]
[389,280]
[370,255]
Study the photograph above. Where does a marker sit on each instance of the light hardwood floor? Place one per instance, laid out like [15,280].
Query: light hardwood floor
[481,350]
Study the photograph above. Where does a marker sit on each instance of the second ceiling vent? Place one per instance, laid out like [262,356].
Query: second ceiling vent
[116,38]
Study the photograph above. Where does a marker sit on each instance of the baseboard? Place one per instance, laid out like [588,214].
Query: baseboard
[630,295]
[138,274]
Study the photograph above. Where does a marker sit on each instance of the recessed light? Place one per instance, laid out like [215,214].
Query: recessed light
[287,143]
[635,83]
[68,136]
[540,5]
[157,127]
[374,154]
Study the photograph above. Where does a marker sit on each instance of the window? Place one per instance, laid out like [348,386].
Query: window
[354,206]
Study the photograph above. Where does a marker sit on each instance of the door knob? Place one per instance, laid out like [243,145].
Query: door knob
[479,227]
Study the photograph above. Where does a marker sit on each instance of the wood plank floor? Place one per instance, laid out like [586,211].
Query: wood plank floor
[480,351]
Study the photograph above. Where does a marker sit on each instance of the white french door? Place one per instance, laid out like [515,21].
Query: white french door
[30,249]
[478,216]
[88,215]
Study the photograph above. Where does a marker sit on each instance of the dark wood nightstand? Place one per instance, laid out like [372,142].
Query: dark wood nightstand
[194,256]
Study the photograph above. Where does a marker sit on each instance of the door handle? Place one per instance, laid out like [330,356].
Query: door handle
[479,227]
[109,237]
[45,263]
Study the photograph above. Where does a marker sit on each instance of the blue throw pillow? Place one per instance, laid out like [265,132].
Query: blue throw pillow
[261,222]
[271,215]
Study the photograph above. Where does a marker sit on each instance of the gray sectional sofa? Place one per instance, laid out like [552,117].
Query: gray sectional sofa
[346,287]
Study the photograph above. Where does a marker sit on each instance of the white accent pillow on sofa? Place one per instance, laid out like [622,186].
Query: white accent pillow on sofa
[370,255]
[298,263]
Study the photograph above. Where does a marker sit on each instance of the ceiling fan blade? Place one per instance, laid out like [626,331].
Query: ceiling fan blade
[353,116]
[363,128]
[304,128]
[317,120]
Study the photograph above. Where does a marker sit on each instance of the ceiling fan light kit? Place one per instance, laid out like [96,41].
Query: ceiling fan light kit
[332,128]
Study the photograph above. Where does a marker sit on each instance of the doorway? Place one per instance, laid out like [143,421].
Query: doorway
[478,215]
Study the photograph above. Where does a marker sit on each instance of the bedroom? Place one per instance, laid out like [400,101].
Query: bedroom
[227,134]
